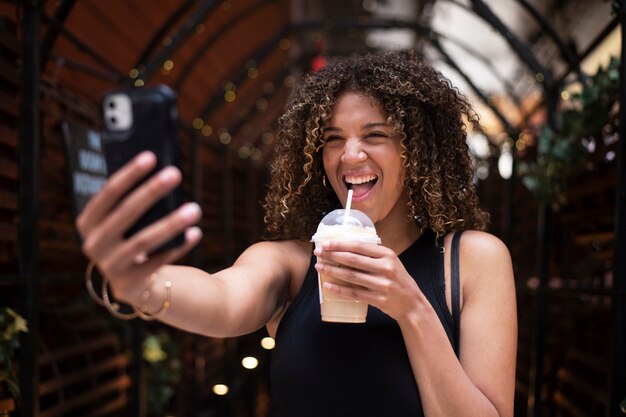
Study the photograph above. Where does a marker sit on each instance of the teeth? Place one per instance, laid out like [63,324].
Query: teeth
[360,180]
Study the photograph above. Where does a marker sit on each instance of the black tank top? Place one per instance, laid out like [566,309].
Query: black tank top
[337,369]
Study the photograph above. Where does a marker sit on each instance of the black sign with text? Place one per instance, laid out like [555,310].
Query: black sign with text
[85,161]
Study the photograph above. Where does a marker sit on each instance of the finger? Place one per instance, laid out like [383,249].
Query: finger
[113,190]
[352,293]
[363,248]
[192,237]
[128,276]
[155,235]
[131,208]
[349,275]
[349,259]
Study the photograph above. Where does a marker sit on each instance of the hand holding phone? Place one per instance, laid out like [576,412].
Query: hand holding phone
[136,120]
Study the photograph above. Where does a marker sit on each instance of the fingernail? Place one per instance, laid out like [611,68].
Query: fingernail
[145,158]
[189,211]
[193,234]
[168,175]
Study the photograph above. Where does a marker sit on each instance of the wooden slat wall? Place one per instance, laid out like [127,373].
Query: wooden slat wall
[84,370]
[83,362]
[9,86]
[578,343]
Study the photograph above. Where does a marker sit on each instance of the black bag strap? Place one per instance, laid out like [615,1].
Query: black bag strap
[455,288]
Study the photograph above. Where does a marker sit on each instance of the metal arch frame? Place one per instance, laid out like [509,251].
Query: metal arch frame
[171,21]
[568,54]
[82,46]
[526,55]
[60,15]
[259,56]
[190,65]
[508,87]
[236,127]
[448,59]
[178,38]
[431,35]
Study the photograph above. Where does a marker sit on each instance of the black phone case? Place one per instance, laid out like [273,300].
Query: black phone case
[154,128]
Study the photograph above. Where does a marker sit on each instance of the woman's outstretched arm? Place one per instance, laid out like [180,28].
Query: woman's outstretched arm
[237,300]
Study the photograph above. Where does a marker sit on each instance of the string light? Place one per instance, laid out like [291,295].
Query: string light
[284,44]
[255,154]
[220,389]
[268,88]
[261,104]
[225,138]
[207,130]
[253,73]
[230,96]
[250,362]
[289,81]
[198,123]
[268,342]
[267,138]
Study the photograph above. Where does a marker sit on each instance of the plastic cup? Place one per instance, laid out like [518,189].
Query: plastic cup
[336,225]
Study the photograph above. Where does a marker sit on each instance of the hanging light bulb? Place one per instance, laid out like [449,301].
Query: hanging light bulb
[505,161]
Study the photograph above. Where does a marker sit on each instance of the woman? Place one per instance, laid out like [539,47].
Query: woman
[391,128]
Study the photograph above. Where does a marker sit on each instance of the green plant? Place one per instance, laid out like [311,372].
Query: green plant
[160,352]
[11,325]
[561,152]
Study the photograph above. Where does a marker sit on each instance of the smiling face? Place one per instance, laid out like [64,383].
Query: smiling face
[363,151]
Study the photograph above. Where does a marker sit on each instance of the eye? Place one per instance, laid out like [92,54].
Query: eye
[332,139]
[376,136]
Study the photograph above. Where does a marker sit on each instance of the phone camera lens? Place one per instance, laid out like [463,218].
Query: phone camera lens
[111,104]
[113,120]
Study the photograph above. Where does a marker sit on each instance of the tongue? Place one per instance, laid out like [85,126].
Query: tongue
[361,189]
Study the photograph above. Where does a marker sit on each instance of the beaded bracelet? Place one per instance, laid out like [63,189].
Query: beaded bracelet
[114,307]
[142,311]
[89,284]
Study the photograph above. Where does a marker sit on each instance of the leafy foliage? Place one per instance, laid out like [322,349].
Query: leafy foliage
[11,325]
[561,152]
[160,353]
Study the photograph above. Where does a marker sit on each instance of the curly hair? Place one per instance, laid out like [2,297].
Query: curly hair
[420,104]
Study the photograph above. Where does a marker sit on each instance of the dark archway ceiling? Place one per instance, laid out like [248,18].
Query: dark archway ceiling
[233,63]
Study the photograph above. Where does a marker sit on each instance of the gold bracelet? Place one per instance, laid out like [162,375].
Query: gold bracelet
[114,308]
[142,312]
[89,284]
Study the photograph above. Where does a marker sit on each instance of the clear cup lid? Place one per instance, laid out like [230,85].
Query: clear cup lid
[356,223]
[354,218]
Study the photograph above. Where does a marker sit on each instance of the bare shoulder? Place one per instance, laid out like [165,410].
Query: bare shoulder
[485,263]
[483,246]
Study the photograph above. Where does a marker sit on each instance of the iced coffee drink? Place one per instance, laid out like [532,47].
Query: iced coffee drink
[343,225]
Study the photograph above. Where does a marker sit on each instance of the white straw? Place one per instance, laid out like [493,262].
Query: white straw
[348,204]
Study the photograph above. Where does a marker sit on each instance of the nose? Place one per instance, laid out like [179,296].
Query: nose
[353,152]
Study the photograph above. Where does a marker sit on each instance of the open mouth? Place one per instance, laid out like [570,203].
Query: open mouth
[361,184]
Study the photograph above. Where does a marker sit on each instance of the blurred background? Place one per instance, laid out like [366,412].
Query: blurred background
[544,76]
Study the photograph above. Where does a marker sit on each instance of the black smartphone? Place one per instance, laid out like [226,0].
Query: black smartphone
[139,119]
